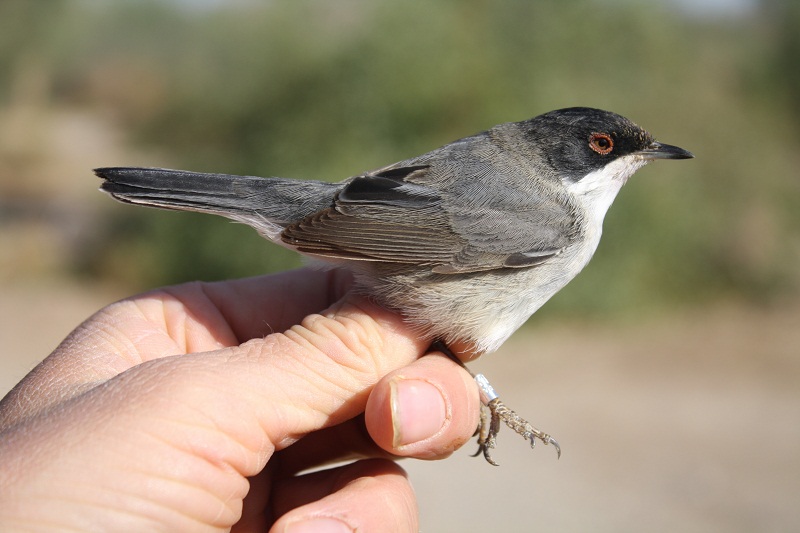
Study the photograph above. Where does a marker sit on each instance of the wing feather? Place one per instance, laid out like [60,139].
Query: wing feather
[395,216]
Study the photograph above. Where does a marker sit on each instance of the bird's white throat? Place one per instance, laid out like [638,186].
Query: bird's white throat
[597,190]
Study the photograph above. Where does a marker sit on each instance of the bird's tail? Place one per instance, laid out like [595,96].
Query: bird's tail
[247,199]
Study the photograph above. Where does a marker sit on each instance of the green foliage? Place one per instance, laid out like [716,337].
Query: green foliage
[325,90]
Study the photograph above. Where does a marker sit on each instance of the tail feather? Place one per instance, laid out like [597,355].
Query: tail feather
[242,198]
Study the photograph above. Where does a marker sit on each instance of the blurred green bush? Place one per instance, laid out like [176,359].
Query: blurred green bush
[326,90]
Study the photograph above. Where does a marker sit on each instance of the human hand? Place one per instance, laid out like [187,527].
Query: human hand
[180,409]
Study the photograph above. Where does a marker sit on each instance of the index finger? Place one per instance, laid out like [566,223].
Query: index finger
[188,318]
[258,306]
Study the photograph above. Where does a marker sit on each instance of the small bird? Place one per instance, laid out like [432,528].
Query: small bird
[466,241]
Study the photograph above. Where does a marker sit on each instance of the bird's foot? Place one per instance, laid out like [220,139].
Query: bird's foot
[493,411]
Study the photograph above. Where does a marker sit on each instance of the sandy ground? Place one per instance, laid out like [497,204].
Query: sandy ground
[688,423]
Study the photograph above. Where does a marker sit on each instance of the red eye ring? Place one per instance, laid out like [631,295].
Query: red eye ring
[602,143]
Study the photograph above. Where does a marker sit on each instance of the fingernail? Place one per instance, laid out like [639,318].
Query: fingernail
[318,525]
[418,411]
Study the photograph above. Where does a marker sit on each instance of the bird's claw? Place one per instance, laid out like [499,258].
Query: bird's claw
[551,441]
[494,411]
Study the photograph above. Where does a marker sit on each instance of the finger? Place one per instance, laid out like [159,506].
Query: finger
[255,307]
[333,359]
[426,410]
[348,441]
[187,318]
[317,374]
[201,316]
[370,495]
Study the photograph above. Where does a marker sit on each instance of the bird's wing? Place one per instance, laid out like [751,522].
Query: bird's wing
[393,216]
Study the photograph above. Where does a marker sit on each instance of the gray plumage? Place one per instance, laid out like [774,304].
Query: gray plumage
[467,241]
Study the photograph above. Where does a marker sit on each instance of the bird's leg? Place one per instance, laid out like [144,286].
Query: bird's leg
[493,411]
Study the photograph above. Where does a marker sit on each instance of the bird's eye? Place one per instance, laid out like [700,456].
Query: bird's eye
[602,143]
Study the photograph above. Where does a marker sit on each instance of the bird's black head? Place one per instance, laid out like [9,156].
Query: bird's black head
[579,140]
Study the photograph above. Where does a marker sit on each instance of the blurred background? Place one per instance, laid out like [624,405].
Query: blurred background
[669,370]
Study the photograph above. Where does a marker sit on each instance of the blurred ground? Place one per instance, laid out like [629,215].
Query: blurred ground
[683,423]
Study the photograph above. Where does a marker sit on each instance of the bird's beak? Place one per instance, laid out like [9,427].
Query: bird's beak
[658,150]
